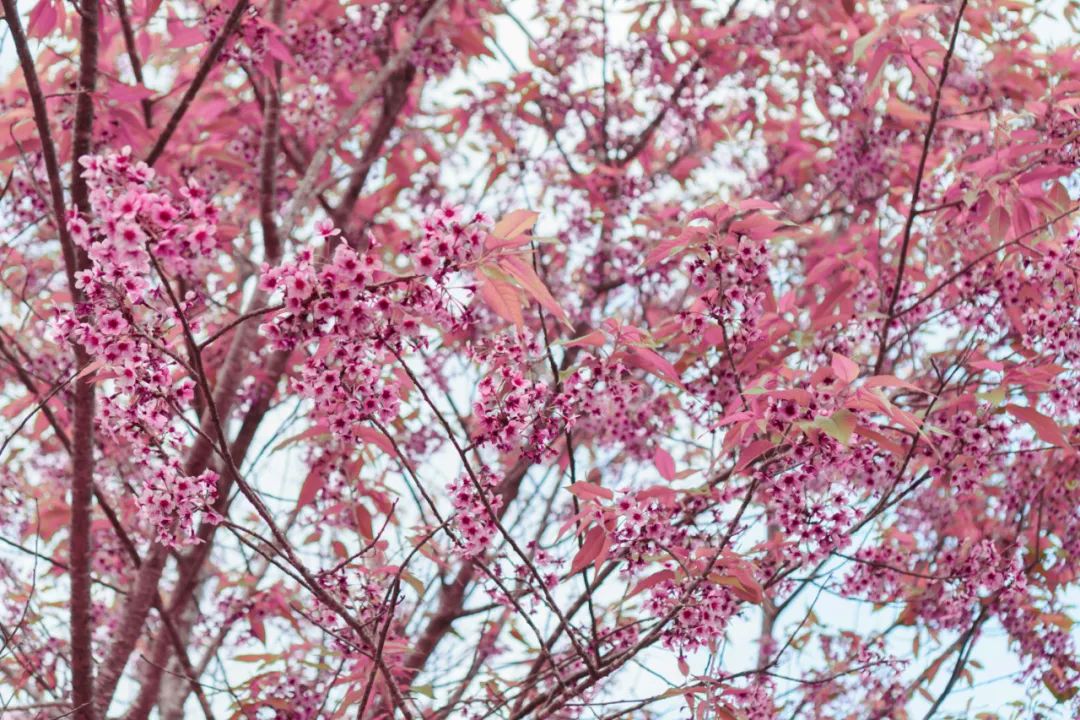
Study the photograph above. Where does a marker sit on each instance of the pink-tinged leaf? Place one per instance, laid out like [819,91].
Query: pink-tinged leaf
[684,668]
[732,418]
[999,224]
[513,225]
[664,250]
[151,10]
[742,585]
[182,36]
[53,517]
[129,93]
[15,407]
[256,658]
[258,629]
[906,114]
[648,359]
[593,338]
[747,204]
[883,442]
[276,44]
[316,431]
[865,399]
[89,369]
[521,271]
[43,19]
[652,581]
[664,463]
[802,397]
[503,299]
[846,370]
[605,552]
[590,491]
[892,381]
[1044,426]
[657,492]
[840,425]
[589,551]
[991,365]
[314,482]
[364,523]
[752,452]
[376,438]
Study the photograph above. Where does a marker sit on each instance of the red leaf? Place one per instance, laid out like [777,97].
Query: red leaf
[664,250]
[999,224]
[363,522]
[43,19]
[652,580]
[312,484]
[182,36]
[503,299]
[593,338]
[664,463]
[590,491]
[513,225]
[590,549]
[657,492]
[521,271]
[1044,426]
[846,370]
[892,381]
[128,93]
[257,628]
[89,369]
[376,438]
[752,452]
[651,361]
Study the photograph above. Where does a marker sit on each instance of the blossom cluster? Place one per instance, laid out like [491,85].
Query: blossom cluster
[137,239]
[731,273]
[475,500]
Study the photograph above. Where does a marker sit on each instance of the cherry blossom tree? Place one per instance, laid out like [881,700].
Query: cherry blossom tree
[571,358]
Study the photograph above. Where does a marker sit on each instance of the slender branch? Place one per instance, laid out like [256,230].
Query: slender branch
[208,62]
[913,209]
[133,56]
[268,153]
[48,147]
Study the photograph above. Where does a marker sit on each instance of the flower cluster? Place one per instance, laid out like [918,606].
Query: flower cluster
[731,272]
[358,39]
[964,457]
[1051,312]
[170,501]
[512,410]
[137,239]
[356,327]
[473,518]
[606,402]
[810,500]
[449,241]
[701,610]
[942,593]
[283,696]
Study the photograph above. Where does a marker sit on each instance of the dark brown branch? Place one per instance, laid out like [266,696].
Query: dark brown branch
[82,433]
[207,64]
[48,147]
[913,209]
[133,56]
[268,155]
